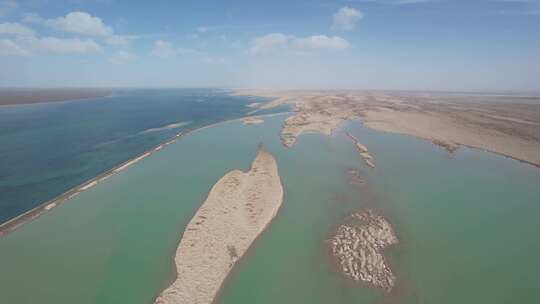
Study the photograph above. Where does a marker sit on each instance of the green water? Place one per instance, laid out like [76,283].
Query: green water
[467,224]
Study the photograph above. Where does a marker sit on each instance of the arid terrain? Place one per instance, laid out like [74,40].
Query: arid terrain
[27,96]
[507,125]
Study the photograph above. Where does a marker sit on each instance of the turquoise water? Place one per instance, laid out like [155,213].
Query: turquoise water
[48,148]
[466,224]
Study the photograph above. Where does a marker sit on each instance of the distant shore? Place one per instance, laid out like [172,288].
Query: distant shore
[505,128]
[19,96]
[16,222]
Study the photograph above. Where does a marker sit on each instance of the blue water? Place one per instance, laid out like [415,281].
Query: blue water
[48,148]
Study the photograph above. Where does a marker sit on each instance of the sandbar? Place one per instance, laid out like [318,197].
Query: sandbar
[362,150]
[251,120]
[238,208]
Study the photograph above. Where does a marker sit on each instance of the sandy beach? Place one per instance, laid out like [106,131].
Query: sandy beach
[238,208]
[500,126]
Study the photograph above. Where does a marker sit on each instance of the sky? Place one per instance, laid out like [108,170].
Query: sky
[465,45]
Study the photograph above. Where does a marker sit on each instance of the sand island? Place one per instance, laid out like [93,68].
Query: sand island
[362,150]
[251,120]
[238,208]
[358,248]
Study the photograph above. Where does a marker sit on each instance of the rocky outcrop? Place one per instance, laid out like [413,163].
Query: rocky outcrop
[358,248]
[362,150]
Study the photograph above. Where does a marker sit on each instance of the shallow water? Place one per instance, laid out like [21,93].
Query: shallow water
[48,148]
[466,224]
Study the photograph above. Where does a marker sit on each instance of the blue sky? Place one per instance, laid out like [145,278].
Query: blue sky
[360,44]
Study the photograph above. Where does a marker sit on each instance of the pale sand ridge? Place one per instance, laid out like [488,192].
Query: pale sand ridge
[362,150]
[238,208]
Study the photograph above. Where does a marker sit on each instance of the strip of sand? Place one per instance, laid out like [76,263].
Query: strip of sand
[238,208]
[252,120]
[362,150]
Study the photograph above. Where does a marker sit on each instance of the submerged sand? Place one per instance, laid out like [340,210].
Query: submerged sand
[238,208]
[251,120]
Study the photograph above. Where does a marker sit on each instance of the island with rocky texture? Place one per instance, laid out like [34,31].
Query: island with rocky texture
[238,208]
[362,150]
[358,249]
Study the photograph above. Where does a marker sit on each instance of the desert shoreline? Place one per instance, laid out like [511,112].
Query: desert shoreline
[481,125]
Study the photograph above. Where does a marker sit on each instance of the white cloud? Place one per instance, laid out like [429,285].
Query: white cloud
[84,24]
[8,47]
[165,49]
[28,45]
[74,45]
[24,41]
[345,18]
[275,42]
[119,40]
[121,57]
[7,6]
[322,42]
[80,23]
[15,29]
[269,43]
[162,49]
